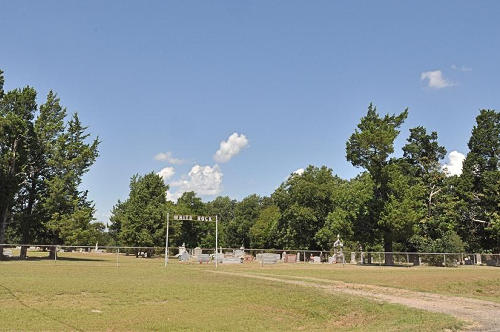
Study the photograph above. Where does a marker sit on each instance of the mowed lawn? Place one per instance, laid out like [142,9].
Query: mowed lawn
[90,293]
[481,282]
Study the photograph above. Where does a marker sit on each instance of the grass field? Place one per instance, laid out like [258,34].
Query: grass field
[467,281]
[89,292]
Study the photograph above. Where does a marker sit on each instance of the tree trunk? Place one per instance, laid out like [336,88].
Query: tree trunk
[24,252]
[3,224]
[389,258]
[27,220]
[52,252]
[4,214]
[415,259]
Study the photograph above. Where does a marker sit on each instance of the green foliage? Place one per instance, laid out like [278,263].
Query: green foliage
[264,230]
[17,110]
[370,147]
[141,219]
[479,185]
[449,243]
[193,234]
[373,142]
[404,207]
[237,232]
[42,161]
[305,201]
[350,215]
[423,152]
[224,208]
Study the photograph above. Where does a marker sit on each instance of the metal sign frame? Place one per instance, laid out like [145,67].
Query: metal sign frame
[193,218]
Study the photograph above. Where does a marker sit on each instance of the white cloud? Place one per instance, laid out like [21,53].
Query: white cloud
[166,173]
[230,148]
[435,79]
[203,180]
[168,157]
[454,165]
[461,68]
[299,171]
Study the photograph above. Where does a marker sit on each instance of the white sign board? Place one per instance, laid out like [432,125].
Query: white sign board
[193,218]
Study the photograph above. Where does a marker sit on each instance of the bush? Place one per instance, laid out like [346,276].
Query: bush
[451,243]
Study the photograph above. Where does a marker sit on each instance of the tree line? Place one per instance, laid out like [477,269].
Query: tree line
[406,203]
[403,203]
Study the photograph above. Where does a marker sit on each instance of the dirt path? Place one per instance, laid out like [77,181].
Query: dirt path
[480,315]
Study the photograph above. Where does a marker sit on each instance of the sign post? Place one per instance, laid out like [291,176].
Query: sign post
[216,241]
[166,241]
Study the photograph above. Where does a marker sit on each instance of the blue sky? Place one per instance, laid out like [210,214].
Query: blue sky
[293,77]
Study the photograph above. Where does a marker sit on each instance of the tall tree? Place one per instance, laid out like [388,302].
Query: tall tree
[421,161]
[142,216]
[69,210]
[17,110]
[42,162]
[370,147]
[480,184]
[304,201]
[48,127]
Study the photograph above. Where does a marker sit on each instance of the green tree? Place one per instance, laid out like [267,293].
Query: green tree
[304,201]
[436,194]
[67,206]
[48,127]
[479,185]
[264,230]
[42,162]
[224,208]
[118,214]
[370,147]
[350,216]
[192,233]
[142,217]
[17,110]
[404,208]
[237,232]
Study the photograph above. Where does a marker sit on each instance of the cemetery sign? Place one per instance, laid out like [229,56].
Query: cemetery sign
[193,218]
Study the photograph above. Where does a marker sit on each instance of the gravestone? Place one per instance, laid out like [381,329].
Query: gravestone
[197,251]
[184,257]
[203,258]
[353,258]
[182,249]
[232,260]
[492,260]
[219,257]
[239,252]
[338,253]
[7,252]
[268,258]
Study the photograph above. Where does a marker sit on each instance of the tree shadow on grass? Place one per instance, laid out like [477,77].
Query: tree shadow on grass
[384,265]
[59,258]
